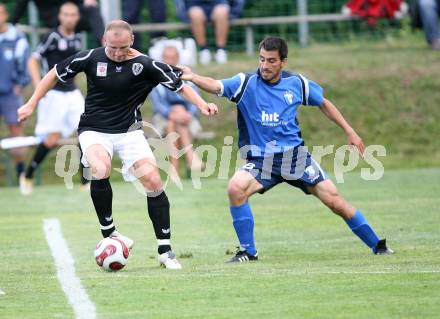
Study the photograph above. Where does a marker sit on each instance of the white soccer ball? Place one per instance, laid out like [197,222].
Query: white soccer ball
[111,254]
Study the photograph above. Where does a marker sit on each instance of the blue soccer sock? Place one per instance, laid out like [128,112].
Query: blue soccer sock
[243,221]
[359,225]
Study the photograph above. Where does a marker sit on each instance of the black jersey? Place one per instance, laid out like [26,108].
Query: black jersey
[116,90]
[54,48]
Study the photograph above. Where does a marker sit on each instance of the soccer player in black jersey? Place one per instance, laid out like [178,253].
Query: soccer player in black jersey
[119,79]
[65,98]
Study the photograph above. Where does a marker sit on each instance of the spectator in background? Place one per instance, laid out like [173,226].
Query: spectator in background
[174,114]
[236,10]
[131,10]
[198,12]
[429,14]
[14,52]
[66,98]
[91,19]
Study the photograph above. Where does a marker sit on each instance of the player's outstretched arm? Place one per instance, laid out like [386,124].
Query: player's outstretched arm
[331,111]
[190,95]
[34,70]
[47,83]
[205,83]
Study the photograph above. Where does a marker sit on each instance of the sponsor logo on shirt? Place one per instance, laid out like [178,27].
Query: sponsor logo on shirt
[137,68]
[101,69]
[288,97]
[271,119]
[62,44]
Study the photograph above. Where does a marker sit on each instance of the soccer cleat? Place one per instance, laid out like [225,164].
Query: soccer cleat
[221,56]
[168,260]
[382,249]
[127,241]
[243,256]
[26,185]
[205,57]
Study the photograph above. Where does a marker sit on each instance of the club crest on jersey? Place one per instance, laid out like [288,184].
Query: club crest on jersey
[8,53]
[101,69]
[288,97]
[137,68]
[62,45]
[312,173]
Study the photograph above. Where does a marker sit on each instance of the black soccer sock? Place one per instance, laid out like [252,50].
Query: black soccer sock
[40,154]
[159,212]
[19,168]
[102,197]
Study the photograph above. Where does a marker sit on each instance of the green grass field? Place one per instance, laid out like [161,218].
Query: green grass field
[311,265]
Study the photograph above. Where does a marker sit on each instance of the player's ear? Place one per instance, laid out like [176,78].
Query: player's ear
[283,62]
[132,40]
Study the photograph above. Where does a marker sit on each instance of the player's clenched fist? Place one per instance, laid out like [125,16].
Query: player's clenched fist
[25,111]
[209,109]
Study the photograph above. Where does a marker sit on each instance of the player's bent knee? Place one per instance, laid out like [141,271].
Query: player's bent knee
[101,170]
[151,182]
[236,190]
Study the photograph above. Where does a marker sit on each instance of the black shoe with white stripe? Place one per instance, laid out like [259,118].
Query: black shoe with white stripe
[243,256]
[382,249]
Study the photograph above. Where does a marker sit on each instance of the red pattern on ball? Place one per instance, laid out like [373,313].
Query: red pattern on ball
[109,250]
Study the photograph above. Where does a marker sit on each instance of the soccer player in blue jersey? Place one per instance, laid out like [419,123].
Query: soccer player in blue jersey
[271,141]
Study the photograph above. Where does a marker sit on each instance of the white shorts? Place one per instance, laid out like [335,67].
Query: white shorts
[131,147]
[59,112]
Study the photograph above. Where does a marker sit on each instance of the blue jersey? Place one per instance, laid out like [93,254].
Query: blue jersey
[266,112]
[14,53]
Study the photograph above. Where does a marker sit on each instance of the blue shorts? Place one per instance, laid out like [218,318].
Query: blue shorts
[206,5]
[9,104]
[295,167]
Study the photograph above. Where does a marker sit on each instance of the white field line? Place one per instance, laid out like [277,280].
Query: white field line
[70,283]
[227,273]
[2,292]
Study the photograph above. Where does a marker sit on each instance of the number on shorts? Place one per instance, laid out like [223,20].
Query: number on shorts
[249,166]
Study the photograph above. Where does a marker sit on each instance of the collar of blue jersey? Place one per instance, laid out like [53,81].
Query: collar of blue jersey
[11,33]
[284,74]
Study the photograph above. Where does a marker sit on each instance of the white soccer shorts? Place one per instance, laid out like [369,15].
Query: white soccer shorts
[59,112]
[130,147]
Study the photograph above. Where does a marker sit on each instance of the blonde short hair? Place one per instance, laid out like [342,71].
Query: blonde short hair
[118,25]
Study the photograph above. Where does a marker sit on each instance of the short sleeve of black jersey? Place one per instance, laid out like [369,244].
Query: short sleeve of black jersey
[167,75]
[73,65]
[44,45]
